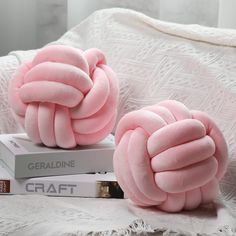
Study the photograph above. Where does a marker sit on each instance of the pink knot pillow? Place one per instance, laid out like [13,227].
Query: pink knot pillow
[65,97]
[169,156]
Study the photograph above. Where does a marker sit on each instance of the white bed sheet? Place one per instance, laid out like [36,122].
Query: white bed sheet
[51,216]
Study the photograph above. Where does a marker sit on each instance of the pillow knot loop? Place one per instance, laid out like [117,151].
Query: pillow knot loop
[169,156]
[65,96]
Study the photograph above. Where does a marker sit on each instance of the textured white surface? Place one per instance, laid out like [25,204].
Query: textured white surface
[8,65]
[154,61]
[50,216]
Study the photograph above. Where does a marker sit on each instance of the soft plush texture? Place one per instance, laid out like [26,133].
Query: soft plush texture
[169,156]
[65,96]
[154,61]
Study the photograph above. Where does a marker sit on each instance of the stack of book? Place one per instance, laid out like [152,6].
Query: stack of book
[85,171]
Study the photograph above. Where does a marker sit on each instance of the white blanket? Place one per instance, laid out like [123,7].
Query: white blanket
[154,61]
[50,216]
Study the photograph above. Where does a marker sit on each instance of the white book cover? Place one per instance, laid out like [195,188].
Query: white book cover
[81,185]
[24,159]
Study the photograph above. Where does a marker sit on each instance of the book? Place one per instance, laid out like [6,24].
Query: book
[81,185]
[25,159]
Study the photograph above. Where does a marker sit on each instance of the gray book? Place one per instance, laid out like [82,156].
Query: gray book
[81,185]
[22,158]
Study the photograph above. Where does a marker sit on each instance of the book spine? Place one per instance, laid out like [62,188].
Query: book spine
[22,163]
[91,189]
[54,164]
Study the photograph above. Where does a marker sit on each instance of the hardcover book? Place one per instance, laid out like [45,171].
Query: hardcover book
[81,185]
[24,159]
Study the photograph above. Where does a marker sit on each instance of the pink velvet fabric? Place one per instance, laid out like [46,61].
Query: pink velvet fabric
[169,156]
[65,96]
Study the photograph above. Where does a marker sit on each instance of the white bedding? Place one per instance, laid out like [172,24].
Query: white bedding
[49,216]
[154,61]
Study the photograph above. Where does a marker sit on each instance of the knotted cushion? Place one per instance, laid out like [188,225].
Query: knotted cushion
[65,96]
[169,156]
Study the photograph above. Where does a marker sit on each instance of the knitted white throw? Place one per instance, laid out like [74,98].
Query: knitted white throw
[154,61]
